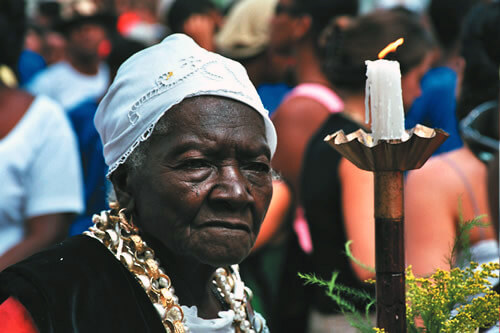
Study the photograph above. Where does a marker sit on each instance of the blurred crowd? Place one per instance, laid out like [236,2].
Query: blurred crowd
[307,61]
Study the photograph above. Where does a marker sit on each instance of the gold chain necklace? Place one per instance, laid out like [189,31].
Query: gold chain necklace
[123,240]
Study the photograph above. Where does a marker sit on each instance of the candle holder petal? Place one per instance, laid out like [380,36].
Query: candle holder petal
[388,155]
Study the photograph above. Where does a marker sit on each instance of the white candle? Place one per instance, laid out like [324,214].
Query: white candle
[384,100]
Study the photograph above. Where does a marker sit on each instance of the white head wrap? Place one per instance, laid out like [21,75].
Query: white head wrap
[150,82]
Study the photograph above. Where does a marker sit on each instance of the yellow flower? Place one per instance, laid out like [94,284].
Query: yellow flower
[434,298]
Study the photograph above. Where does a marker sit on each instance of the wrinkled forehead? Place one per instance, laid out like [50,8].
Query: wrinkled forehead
[213,108]
[210,126]
[207,113]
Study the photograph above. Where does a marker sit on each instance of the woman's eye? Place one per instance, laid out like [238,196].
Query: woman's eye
[195,164]
[258,167]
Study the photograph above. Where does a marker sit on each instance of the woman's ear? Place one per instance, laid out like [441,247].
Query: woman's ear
[121,180]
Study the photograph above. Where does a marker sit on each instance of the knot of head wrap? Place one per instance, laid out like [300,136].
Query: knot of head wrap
[153,80]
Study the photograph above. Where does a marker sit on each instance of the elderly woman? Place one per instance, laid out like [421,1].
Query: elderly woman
[188,144]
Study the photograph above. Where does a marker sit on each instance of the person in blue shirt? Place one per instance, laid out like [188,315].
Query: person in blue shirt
[436,106]
[94,168]
[29,64]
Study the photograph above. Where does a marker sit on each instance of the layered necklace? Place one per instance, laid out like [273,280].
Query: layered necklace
[122,238]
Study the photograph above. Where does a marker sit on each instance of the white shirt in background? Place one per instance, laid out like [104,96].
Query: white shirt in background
[40,170]
[67,86]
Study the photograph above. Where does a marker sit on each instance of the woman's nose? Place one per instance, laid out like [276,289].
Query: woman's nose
[232,188]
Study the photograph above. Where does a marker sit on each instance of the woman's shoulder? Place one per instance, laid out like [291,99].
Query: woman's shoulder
[43,106]
[435,171]
[78,285]
[15,105]
[38,111]
[445,167]
[300,108]
[447,175]
[319,93]
[51,123]
[70,256]
[51,273]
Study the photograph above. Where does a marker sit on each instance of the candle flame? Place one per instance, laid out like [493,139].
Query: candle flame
[390,48]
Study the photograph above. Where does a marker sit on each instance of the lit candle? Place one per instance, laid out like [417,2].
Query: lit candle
[384,96]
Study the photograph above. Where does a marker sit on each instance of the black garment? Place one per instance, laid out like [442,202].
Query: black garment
[292,304]
[321,195]
[79,286]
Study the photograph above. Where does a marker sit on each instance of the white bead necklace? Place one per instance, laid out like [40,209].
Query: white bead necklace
[236,295]
[123,240]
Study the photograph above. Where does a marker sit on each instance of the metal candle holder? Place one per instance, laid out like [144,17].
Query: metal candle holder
[388,159]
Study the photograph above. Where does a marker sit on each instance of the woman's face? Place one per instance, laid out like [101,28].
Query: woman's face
[282,33]
[410,82]
[205,186]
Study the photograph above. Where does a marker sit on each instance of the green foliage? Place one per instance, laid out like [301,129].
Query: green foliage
[343,297]
[354,259]
[458,300]
[461,243]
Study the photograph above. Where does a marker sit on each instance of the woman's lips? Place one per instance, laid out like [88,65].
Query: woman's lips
[227,224]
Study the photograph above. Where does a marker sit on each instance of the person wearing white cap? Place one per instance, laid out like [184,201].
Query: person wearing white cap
[188,145]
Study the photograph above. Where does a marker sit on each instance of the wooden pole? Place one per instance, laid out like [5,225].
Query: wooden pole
[389,251]
[389,155]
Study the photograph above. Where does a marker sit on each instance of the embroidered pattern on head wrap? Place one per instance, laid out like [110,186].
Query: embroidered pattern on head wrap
[139,92]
